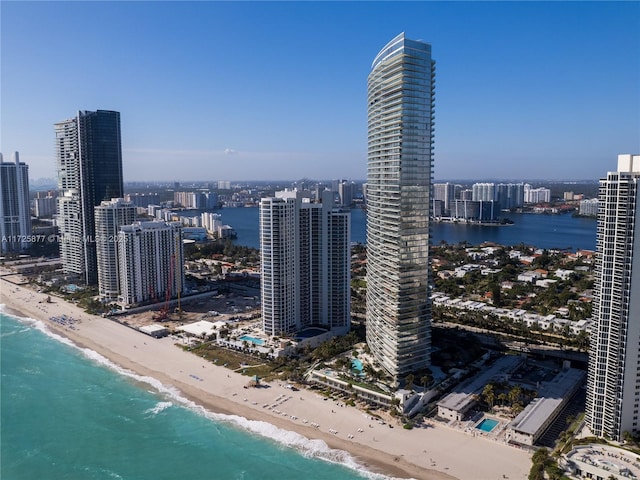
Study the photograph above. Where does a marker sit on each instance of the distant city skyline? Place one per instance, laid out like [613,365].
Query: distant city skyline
[268,91]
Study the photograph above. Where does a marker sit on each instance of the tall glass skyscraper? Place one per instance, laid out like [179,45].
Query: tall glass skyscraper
[613,380]
[15,217]
[89,162]
[401,89]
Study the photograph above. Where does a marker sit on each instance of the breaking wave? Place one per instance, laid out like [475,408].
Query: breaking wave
[309,448]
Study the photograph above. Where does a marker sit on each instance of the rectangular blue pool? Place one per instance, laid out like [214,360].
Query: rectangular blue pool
[487,424]
[255,341]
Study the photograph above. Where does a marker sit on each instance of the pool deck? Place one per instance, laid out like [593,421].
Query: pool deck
[602,460]
[487,421]
[254,340]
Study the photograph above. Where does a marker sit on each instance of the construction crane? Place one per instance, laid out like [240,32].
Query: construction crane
[163,313]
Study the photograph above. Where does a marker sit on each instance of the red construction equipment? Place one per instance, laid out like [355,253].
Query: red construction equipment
[163,313]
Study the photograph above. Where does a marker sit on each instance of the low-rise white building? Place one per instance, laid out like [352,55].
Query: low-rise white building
[530,276]
[468,268]
[155,330]
[198,329]
[531,423]
[563,274]
[464,396]
[545,282]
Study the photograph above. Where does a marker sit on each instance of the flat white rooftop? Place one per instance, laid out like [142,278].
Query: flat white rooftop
[198,328]
[550,397]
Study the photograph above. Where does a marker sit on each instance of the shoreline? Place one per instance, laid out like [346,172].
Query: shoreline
[436,453]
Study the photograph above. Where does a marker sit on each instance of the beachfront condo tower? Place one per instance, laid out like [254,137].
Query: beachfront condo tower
[89,164]
[15,216]
[151,262]
[110,215]
[305,264]
[400,160]
[613,380]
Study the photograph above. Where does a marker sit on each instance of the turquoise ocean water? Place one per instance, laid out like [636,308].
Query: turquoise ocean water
[68,413]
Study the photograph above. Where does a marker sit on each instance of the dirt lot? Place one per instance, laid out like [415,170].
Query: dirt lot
[231,307]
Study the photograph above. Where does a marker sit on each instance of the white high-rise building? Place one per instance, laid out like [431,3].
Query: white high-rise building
[589,207]
[510,195]
[142,200]
[45,203]
[151,262]
[401,96]
[15,216]
[109,217]
[613,380]
[536,195]
[483,192]
[345,193]
[444,192]
[305,263]
[211,221]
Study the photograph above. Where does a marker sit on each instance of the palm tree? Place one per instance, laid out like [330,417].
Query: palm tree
[627,437]
[514,394]
[409,381]
[488,394]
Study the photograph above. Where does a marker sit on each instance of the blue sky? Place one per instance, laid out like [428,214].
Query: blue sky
[265,91]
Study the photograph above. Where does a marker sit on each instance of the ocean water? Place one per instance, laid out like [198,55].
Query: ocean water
[542,231]
[68,413]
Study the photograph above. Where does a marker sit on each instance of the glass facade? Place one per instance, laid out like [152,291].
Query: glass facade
[9,204]
[89,162]
[400,158]
[15,218]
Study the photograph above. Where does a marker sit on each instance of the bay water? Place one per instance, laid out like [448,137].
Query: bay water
[562,231]
[68,413]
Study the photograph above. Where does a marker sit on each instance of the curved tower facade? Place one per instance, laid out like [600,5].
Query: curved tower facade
[401,89]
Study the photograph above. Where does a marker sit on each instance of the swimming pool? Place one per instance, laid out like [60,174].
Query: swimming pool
[247,338]
[487,424]
[356,364]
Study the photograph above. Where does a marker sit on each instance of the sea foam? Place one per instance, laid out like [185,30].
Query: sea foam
[307,447]
[159,407]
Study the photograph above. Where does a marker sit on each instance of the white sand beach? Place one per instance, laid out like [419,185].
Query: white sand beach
[436,452]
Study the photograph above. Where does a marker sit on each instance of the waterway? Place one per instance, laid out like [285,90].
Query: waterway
[562,231]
